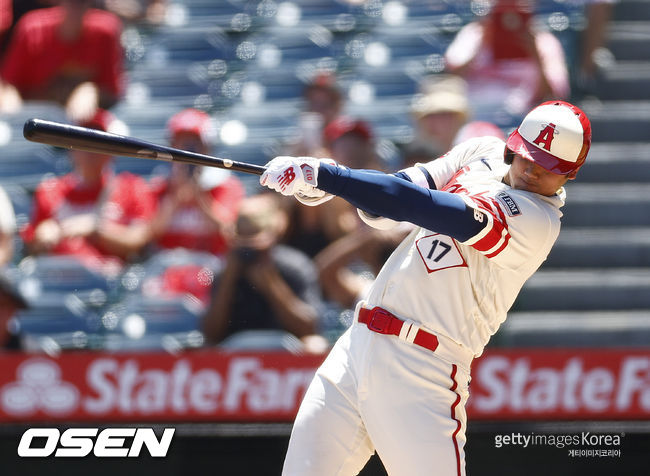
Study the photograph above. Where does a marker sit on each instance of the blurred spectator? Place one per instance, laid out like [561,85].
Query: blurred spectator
[197,206]
[12,10]
[6,19]
[92,213]
[510,65]
[265,285]
[7,229]
[70,54]
[10,301]
[598,13]
[323,102]
[439,111]
[349,265]
[417,151]
[349,142]
[478,129]
[23,6]
[133,11]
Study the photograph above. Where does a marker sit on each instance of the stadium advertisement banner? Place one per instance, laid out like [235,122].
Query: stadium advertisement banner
[195,386]
[561,384]
[209,385]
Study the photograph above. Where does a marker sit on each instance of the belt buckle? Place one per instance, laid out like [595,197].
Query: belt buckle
[379,320]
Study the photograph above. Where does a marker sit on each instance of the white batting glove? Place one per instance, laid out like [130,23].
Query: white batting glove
[296,176]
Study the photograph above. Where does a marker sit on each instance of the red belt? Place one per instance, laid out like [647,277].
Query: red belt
[383,322]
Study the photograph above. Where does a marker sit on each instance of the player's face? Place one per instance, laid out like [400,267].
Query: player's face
[527,175]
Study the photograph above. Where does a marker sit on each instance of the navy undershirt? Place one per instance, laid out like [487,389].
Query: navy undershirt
[395,197]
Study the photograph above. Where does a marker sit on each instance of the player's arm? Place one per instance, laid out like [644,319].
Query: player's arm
[390,196]
[397,198]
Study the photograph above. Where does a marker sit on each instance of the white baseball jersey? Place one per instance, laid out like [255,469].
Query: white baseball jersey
[464,290]
[376,392]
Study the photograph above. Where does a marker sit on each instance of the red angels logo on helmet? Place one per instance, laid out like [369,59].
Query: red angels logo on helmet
[546,135]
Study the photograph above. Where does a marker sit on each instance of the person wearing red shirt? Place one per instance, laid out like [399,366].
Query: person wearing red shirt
[70,54]
[91,213]
[509,61]
[6,17]
[197,206]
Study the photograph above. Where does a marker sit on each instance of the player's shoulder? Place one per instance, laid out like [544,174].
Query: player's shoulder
[487,145]
[480,154]
[532,224]
[480,148]
[530,206]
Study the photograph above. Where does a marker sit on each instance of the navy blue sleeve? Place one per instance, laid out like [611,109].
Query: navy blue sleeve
[394,197]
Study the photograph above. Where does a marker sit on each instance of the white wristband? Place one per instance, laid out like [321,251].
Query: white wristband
[312,201]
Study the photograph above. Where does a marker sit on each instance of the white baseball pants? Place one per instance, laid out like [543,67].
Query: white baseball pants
[376,392]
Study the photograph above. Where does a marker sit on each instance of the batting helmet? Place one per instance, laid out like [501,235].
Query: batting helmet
[555,135]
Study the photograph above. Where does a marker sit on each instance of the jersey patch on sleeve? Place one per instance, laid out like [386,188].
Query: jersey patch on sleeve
[510,205]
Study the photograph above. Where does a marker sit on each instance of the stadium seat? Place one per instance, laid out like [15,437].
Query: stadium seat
[51,275]
[173,273]
[262,340]
[143,323]
[57,322]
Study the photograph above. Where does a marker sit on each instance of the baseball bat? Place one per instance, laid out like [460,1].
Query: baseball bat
[100,142]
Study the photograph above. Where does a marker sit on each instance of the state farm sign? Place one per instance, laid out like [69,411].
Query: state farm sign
[203,385]
[209,385]
[561,384]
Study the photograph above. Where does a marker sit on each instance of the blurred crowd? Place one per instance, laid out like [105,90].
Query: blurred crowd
[248,261]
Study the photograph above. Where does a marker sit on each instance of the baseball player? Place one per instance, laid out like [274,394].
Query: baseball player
[487,215]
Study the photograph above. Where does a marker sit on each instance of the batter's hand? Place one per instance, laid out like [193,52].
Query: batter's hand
[296,176]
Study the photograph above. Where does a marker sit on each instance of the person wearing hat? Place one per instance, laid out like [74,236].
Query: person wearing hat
[439,111]
[264,284]
[350,141]
[485,216]
[322,103]
[92,213]
[323,96]
[197,206]
[510,62]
